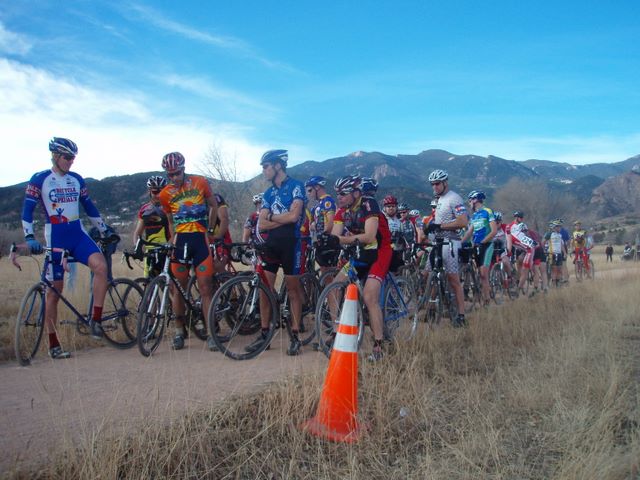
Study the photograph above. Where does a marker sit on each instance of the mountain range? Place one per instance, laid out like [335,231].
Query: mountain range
[603,189]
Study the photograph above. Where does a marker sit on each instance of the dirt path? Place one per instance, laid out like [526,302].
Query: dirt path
[53,401]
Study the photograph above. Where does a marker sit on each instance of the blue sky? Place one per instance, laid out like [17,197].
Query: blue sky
[130,81]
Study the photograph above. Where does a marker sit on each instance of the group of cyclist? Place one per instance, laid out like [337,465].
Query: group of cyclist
[183,209]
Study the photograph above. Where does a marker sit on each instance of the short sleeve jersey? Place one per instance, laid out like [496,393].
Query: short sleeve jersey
[188,204]
[353,220]
[280,200]
[155,222]
[450,207]
[481,222]
[555,242]
[519,235]
[326,205]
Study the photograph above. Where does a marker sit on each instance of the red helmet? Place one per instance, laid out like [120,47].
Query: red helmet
[173,161]
[389,200]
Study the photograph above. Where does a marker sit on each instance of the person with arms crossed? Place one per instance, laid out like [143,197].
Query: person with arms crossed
[192,209]
[61,192]
[281,219]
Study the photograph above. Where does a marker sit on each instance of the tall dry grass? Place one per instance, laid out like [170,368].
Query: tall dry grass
[540,388]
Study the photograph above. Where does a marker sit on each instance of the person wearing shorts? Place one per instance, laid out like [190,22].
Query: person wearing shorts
[359,219]
[191,208]
[450,217]
[61,192]
[482,229]
[281,220]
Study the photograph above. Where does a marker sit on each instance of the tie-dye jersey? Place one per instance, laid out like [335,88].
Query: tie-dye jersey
[188,204]
[60,197]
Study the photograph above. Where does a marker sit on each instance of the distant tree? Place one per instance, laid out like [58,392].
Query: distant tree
[538,202]
[222,167]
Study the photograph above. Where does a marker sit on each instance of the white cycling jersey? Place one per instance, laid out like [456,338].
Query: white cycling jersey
[450,206]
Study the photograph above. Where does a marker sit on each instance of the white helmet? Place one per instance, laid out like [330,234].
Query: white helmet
[257,198]
[438,176]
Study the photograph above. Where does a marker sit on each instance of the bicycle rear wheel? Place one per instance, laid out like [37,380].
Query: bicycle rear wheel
[430,307]
[234,315]
[120,312]
[328,310]
[153,316]
[29,325]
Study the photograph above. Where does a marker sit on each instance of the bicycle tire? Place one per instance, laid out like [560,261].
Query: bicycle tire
[234,311]
[396,310]
[472,292]
[327,277]
[578,270]
[195,320]
[311,291]
[120,312]
[592,270]
[29,325]
[328,310]
[430,308]
[496,284]
[152,318]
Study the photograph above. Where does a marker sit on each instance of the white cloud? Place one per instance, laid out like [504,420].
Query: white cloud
[231,44]
[13,43]
[116,134]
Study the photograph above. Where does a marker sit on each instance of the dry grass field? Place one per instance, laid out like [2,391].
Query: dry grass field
[538,388]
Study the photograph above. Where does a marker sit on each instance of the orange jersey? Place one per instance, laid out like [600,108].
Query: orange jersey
[188,204]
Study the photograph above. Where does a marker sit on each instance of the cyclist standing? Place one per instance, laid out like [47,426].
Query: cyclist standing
[359,219]
[191,208]
[222,234]
[281,219]
[407,227]
[451,215]
[518,238]
[323,213]
[482,230]
[60,192]
[581,245]
[390,206]
[152,223]
[557,249]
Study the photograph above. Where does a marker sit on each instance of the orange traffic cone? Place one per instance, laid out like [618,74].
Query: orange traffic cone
[335,418]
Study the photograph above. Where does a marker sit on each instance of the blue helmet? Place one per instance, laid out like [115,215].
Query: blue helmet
[63,146]
[274,156]
[476,195]
[315,180]
[368,186]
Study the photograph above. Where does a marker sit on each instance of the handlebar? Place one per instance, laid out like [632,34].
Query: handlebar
[64,260]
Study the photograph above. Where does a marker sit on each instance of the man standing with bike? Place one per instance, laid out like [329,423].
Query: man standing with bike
[451,215]
[192,211]
[281,220]
[61,192]
[482,230]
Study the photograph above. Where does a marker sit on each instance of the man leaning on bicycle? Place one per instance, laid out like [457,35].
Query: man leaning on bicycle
[359,219]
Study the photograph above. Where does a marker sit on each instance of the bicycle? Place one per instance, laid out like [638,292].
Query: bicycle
[470,279]
[118,315]
[580,265]
[234,313]
[395,297]
[500,281]
[155,310]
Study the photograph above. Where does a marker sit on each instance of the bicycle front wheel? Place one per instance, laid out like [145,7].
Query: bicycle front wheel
[398,296]
[234,314]
[328,311]
[30,325]
[310,291]
[120,312]
[496,284]
[153,316]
